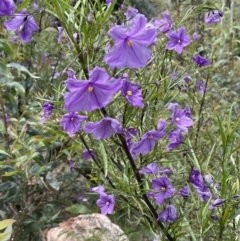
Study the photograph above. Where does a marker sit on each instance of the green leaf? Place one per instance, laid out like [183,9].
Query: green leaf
[18,87]
[52,181]
[22,69]
[7,185]
[4,71]
[104,158]
[23,5]
[77,208]
[222,132]
[3,236]
[5,47]
[4,153]
[9,174]
[5,223]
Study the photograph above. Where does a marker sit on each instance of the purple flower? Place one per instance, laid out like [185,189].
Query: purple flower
[104,128]
[181,119]
[88,154]
[150,169]
[188,112]
[175,138]
[47,109]
[6,118]
[216,203]
[129,133]
[162,189]
[196,36]
[71,74]
[204,193]
[24,24]
[168,215]
[108,2]
[133,93]
[178,40]
[60,34]
[187,79]
[70,165]
[214,218]
[35,6]
[92,94]
[166,171]
[185,192]
[106,202]
[201,87]
[80,196]
[130,44]
[7,7]
[71,122]
[200,61]
[165,24]
[98,189]
[149,139]
[196,179]
[131,12]
[172,107]
[213,17]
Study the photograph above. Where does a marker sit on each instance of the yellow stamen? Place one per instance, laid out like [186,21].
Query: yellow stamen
[130,43]
[129,92]
[90,89]
[163,189]
[177,119]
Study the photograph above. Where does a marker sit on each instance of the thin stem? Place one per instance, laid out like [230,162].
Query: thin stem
[200,114]
[4,119]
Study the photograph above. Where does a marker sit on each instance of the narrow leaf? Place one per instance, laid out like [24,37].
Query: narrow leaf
[52,181]
[5,223]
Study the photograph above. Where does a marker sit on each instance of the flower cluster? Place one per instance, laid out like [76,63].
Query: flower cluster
[131,46]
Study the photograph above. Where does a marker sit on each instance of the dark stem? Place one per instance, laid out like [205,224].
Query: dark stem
[140,183]
[200,114]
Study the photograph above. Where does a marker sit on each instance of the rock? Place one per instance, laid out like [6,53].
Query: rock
[90,227]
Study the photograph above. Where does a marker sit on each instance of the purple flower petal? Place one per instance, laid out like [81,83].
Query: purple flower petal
[132,93]
[165,24]
[104,128]
[88,154]
[213,17]
[7,7]
[147,142]
[106,203]
[71,123]
[200,61]
[162,189]
[24,24]
[178,40]
[168,215]
[93,94]
[130,48]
